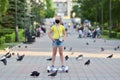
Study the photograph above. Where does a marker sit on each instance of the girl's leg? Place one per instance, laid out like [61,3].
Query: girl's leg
[54,55]
[61,55]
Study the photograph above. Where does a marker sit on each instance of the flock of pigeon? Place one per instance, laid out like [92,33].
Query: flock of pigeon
[79,57]
[9,54]
[3,59]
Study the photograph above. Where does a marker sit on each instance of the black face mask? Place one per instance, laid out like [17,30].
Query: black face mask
[57,21]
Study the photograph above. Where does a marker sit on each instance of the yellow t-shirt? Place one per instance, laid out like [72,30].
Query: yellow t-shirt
[57,31]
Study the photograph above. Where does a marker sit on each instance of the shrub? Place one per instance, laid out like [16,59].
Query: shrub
[113,34]
[6,31]
[105,32]
[2,40]
[21,35]
[9,38]
[118,35]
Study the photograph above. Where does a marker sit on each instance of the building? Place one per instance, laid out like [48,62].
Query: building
[63,8]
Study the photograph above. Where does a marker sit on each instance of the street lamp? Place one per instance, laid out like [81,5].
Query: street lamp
[110,27]
[16,26]
[102,16]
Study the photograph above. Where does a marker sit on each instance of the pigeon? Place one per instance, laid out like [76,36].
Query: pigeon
[94,41]
[53,74]
[110,56]
[49,59]
[6,49]
[8,55]
[66,57]
[70,49]
[87,43]
[79,57]
[20,58]
[19,46]
[115,48]
[35,74]
[87,62]
[102,49]
[13,53]
[118,47]
[64,48]
[25,46]
[3,59]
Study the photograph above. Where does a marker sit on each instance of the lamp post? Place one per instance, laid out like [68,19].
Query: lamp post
[102,16]
[110,26]
[16,26]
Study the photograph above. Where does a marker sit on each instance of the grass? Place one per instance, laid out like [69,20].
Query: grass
[8,44]
[106,37]
[3,46]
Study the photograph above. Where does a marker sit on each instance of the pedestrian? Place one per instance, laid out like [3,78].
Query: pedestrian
[57,34]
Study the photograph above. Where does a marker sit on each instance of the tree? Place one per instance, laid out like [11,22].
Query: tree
[95,10]
[50,11]
[3,8]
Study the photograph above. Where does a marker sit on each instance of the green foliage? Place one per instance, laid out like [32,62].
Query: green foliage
[3,6]
[113,34]
[118,35]
[5,31]
[8,20]
[92,10]
[50,11]
[21,35]
[9,38]
[105,32]
[2,40]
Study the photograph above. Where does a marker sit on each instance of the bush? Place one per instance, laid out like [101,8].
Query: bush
[113,34]
[9,38]
[105,32]
[6,31]
[118,35]
[21,35]
[2,40]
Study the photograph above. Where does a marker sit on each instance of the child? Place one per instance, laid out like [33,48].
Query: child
[58,31]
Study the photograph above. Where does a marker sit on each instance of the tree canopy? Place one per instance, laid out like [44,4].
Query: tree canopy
[92,10]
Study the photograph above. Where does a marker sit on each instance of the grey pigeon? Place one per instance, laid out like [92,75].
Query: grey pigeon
[115,48]
[110,56]
[35,74]
[53,74]
[87,62]
[13,53]
[3,59]
[20,58]
[66,57]
[79,57]
[64,48]
[118,47]
[70,49]
[102,49]
[49,59]
[8,55]
[25,46]
[87,43]
[19,46]
[94,41]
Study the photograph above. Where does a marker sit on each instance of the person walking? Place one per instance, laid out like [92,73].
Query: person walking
[57,34]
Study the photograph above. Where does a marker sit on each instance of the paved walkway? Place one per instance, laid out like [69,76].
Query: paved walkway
[100,68]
